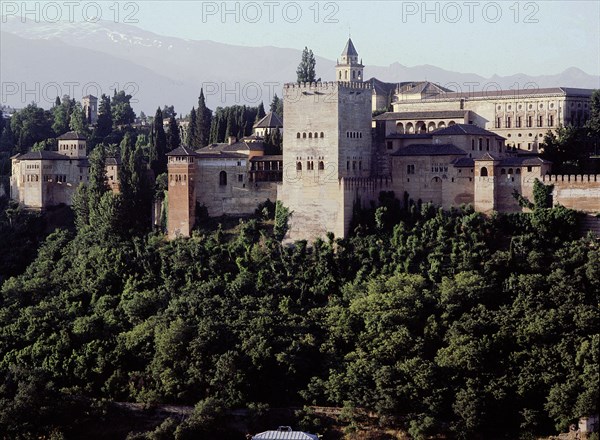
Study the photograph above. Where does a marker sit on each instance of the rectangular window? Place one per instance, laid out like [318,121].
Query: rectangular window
[498,122]
[389,145]
[519,122]
[530,121]
[540,121]
[410,169]
[240,177]
[508,122]
[551,120]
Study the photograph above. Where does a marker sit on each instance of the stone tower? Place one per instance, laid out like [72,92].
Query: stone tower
[327,132]
[90,107]
[182,192]
[348,68]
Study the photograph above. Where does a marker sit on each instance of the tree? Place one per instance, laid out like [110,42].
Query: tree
[277,106]
[30,125]
[260,113]
[203,121]
[159,150]
[173,137]
[105,121]
[121,111]
[78,120]
[62,114]
[192,137]
[306,68]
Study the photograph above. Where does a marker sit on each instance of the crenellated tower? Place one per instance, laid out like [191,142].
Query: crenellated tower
[182,192]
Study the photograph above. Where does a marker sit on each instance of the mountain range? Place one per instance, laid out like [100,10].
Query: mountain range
[40,61]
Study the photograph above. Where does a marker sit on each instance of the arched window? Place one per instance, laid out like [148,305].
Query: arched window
[483,172]
[321,165]
[316,135]
[510,171]
[473,144]
[303,135]
[322,134]
[503,171]
[518,171]
[480,144]
[310,135]
[298,166]
[298,135]
[222,178]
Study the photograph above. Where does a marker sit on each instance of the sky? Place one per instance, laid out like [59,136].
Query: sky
[483,37]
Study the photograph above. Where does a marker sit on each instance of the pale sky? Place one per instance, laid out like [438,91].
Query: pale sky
[483,37]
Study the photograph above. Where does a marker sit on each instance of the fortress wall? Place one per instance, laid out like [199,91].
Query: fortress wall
[580,192]
[316,208]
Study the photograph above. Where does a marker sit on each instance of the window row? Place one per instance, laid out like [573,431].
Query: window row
[310,165]
[178,177]
[310,135]
[354,134]
[528,121]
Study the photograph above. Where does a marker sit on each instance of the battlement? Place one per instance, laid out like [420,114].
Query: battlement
[553,178]
[328,85]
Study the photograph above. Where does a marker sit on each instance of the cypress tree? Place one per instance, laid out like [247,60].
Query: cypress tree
[192,138]
[159,163]
[203,121]
[173,138]
[260,113]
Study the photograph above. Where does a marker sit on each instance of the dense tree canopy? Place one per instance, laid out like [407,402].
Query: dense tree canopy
[441,322]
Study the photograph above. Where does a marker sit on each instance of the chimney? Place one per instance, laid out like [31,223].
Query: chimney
[232,140]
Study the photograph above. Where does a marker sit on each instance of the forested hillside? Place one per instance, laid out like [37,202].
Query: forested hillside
[440,322]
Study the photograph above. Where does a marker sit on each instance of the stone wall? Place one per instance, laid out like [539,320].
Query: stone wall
[581,192]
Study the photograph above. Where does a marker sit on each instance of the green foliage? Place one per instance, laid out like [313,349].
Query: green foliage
[542,194]
[441,322]
[282,215]
[306,68]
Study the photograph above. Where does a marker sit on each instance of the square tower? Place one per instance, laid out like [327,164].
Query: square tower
[90,107]
[327,138]
[72,144]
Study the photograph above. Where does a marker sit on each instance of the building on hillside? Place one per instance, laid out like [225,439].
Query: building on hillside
[41,179]
[435,147]
[90,108]
[523,117]
[271,121]
[230,178]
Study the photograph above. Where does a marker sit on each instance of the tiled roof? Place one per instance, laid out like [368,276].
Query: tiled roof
[182,151]
[434,114]
[220,155]
[266,158]
[520,161]
[426,87]
[113,161]
[71,136]
[488,156]
[349,50]
[236,146]
[409,136]
[463,162]
[44,155]
[381,87]
[459,129]
[270,120]
[430,150]
[562,91]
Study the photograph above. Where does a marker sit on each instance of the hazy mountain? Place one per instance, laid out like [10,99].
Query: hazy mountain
[166,70]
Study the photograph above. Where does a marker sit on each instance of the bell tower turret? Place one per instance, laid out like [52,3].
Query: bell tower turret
[348,67]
